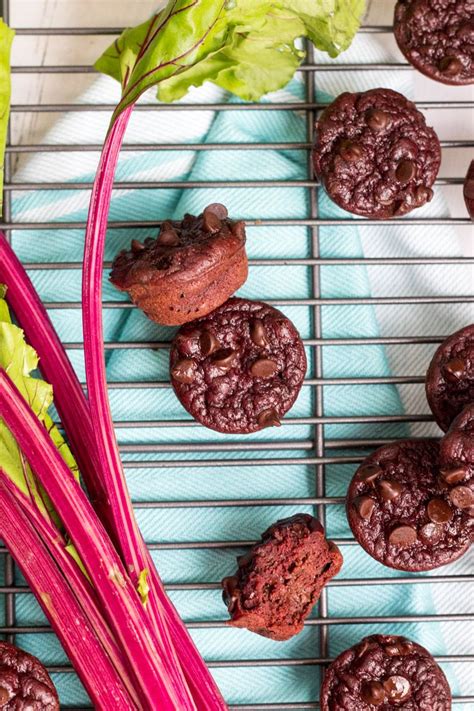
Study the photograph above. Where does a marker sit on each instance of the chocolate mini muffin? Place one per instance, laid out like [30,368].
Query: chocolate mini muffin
[385,672]
[191,268]
[239,369]
[437,37]
[280,579]
[450,377]
[25,685]
[468,191]
[375,155]
[403,513]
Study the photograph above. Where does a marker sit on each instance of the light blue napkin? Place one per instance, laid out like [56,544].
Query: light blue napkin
[253,478]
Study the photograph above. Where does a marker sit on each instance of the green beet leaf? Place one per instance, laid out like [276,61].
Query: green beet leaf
[259,55]
[19,360]
[330,24]
[248,47]
[174,39]
[6,39]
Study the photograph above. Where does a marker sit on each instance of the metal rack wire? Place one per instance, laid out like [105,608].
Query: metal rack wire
[318,448]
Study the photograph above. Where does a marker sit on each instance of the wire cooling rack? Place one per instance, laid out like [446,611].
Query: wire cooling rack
[319,450]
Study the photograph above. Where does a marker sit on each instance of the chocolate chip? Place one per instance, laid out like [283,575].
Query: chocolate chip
[451,66]
[455,475]
[431,533]
[137,246]
[405,171]
[350,152]
[462,497]
[389,489]
[218,210]
[188,220]
[373,693]
[224,358]
[4,696]
[402,537]
[238,230]
[230,585]
[439,511]
[314,525]
[187,342]
[397,688]
[211,223]
[454,370]
[184,371]
[369,473]
[244,560]
[423,195]
[399,647]
[208,343]
[399,205]
[403,148]
[258,333]
[263,368]
[364,646]
[376,119]
[364,506]
[168,236]
[268,418]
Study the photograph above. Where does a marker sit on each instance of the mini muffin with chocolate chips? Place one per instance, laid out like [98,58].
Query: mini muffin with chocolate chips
[437,37]
[191,268]
[280,579]
[405,509]
[239,369]
[450,377]
[375,155]
[386,672]
[25,685]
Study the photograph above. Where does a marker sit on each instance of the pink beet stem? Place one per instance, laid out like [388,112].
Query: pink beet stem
[136,557]
[60,606]
[122,606]
[80,585]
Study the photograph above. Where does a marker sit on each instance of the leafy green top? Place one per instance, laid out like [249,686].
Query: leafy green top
[19,360]
[6,39]
[248,47]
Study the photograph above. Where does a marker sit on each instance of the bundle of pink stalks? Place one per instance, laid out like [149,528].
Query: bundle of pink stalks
[134,653]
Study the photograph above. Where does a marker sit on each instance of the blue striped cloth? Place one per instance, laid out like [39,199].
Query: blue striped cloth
[248,474]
